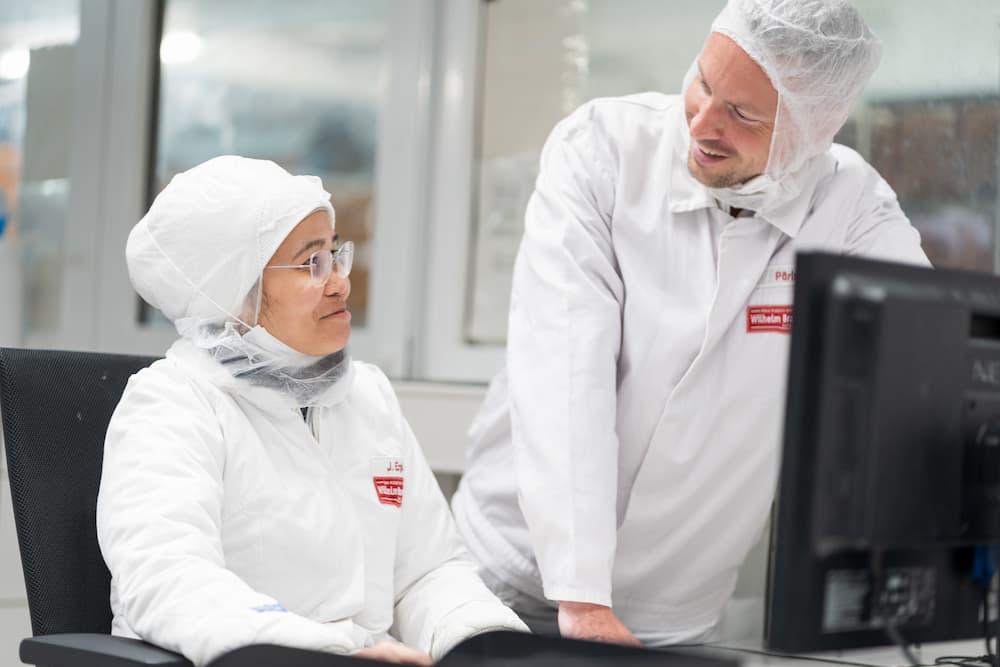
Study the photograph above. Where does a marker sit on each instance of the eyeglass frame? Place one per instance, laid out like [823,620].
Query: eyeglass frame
[345,248]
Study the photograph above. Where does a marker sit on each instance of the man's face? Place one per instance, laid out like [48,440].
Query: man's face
[730,107]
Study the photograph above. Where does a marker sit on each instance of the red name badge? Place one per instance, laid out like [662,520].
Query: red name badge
[389,490]
[769,318]
[387,476]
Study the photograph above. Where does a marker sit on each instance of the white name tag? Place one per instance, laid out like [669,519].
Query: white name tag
[384,465]
[778,275]
[387,477]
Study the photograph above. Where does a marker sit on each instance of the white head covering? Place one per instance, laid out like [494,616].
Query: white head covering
[819,55]
[199,254]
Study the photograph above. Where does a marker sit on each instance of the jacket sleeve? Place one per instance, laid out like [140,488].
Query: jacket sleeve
[880,229]
[440,600]
[564,338]
[159,518]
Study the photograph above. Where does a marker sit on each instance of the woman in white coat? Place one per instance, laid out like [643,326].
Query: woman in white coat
[259,486]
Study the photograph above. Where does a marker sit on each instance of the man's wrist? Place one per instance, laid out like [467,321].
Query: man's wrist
[582,607]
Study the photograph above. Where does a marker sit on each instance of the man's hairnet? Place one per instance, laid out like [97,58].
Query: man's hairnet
[818,54]
[199,253]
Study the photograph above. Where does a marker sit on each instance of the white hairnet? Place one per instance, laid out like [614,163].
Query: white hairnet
[818,54]
[208,235]
[199,255]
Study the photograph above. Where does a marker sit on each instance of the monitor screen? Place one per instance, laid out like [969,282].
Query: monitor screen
[890,473]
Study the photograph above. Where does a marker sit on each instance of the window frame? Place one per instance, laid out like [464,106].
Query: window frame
[108,189]
[80,296]
[444,354]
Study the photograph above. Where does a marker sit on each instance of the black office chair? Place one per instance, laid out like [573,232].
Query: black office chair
[55,408]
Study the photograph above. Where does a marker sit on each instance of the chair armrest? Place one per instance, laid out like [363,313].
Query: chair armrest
[95,650]
[269,655]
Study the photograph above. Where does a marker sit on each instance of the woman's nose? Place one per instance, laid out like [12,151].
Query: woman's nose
[337,285]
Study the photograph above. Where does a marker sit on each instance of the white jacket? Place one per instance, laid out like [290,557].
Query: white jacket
[226,519]
[628,453]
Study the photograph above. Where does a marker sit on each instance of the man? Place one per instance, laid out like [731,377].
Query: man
[625,460]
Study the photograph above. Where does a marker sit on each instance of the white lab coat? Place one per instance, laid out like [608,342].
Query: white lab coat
[628,453]
[226,519]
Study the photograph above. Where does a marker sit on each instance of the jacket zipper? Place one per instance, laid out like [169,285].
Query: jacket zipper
[312,424]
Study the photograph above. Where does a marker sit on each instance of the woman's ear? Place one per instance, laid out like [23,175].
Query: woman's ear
[250,313]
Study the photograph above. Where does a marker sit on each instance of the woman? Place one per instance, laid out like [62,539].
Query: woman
[258,485]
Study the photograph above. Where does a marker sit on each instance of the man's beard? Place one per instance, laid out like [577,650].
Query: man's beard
[726,179]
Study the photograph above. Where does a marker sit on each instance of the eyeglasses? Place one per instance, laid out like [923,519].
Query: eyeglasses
[322,263]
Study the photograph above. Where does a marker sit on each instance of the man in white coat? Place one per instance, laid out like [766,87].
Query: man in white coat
[625,460]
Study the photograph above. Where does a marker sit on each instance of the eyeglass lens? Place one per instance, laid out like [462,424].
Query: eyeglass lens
[321,263]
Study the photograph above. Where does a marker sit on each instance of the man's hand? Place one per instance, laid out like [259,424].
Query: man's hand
[582,620]
[395,652]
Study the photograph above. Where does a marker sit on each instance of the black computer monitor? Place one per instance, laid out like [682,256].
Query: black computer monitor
[890,473]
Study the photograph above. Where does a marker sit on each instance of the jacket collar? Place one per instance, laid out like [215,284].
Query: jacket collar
[199,363]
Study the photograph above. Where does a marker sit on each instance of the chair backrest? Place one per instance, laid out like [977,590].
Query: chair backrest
[55,408]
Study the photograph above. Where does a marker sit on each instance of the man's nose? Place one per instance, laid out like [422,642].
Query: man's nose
[706,122]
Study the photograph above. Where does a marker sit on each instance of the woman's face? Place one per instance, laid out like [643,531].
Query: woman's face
[312,319]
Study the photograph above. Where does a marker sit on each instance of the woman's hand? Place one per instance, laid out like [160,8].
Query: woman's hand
[395,652]
[582,620]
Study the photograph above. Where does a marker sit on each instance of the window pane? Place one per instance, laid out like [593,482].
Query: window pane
[541,60]
[37,41]
[295,82]
[928,123]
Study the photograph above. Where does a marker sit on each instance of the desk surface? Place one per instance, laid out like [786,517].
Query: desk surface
[752,653]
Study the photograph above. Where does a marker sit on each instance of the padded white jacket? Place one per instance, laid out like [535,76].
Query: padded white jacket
[227,519]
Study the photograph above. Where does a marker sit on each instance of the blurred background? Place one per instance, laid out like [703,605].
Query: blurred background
[425,120]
